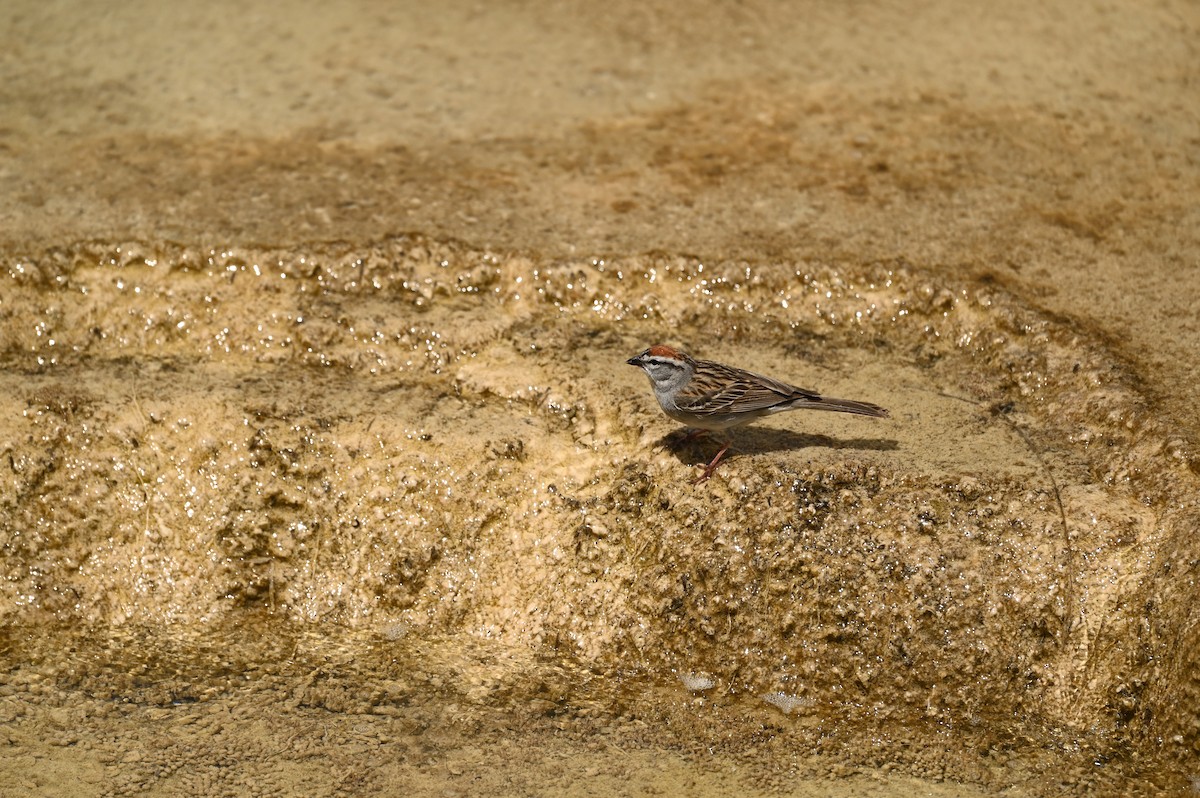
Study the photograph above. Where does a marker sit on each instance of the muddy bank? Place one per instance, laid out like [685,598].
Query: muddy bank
[419,440]
[322,462]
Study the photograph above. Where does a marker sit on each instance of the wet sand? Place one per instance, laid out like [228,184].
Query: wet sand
[326,474]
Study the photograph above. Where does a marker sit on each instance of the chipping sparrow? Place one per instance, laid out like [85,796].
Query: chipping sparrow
[714,397]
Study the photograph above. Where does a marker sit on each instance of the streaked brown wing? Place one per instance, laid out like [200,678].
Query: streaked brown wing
[718,389]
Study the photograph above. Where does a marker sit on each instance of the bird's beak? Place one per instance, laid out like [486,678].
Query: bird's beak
[636,360]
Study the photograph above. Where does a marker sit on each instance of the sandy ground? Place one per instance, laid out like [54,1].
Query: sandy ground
[325,475]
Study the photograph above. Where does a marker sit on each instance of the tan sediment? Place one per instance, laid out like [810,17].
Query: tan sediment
[418,440]
[395,522]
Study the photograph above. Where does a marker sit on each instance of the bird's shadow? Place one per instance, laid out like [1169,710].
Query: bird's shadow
[699,449]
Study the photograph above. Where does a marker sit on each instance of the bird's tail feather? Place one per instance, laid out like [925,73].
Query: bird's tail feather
[841,406]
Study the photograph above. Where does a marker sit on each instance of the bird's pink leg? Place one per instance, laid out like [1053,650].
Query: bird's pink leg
[711,467]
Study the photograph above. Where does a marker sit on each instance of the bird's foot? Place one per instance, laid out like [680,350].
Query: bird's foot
[711,467]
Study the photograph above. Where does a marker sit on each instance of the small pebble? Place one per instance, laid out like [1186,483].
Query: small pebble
[696,682]
[786,702]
